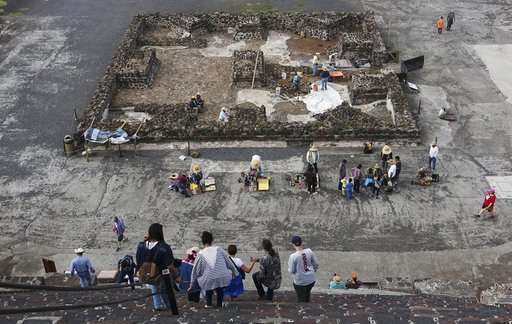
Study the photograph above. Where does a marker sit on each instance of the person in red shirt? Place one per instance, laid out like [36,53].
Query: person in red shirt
[489,203]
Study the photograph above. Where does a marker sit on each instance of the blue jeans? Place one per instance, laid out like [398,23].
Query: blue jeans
[85,281]
[158,301]
[324,82]
[349,194]
[432,163]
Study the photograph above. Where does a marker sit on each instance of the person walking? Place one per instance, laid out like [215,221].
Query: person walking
[302,265]
[269,274]
[313,156]
[324,75]
[342,173]
[119,228]
[440,25]
[213,270]
[126,267]
[236,286]
[432,156]
[391,173]
[357,175]
[489,203]
[82,266]
[450,20]
[157,254]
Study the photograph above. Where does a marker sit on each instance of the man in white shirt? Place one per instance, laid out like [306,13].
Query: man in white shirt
[315,64]
[224,115]
[434,151]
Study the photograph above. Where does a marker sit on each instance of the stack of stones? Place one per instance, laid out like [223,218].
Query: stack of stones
[358,43]
[250,32]
[366,88]
[139,71]
[244,63]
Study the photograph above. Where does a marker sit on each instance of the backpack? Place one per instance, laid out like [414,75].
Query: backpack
[120,226]
[149,272]
[126,263]
[242,274]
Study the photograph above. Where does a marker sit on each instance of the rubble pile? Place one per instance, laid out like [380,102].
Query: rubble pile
[250,32]
[245,63]
[139,71]
[366,88]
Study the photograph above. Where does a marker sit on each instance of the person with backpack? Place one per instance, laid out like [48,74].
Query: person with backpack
[155,269]
[236,287]
[270,272]
[119,228]
[126,267]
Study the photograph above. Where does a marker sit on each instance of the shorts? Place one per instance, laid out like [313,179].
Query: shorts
[120,237]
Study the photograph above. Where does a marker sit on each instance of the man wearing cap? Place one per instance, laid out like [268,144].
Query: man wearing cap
[81,265]
[199,101]
[302,265]
[312,157]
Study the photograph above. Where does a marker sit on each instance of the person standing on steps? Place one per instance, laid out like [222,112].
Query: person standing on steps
[302,265]
[82,266]
[450,20]
[119,228]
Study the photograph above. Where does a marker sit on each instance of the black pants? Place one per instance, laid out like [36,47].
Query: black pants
[303,292]
[122,274]
[259,286]
[376,191]
[357,185]
[220,296]
[167,285]
[311,187]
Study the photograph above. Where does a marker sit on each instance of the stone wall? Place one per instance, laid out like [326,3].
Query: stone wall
[366,88]
[244,64]
[139,71]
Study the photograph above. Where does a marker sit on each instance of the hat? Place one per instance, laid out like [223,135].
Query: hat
[317,53]
[198,94]
[192,250]
[313,147]
[296,240]
[336,278]
[223,109]
[386,149]
[196,168]
[173,176]
[79,251]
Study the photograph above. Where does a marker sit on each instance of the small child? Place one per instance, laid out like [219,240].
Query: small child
[376,186]
[336,283]
[344,186]
[350,189]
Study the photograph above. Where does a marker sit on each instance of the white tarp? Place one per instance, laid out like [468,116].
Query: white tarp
[321,101]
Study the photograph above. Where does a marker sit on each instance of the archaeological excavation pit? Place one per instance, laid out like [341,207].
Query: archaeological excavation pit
[246,64]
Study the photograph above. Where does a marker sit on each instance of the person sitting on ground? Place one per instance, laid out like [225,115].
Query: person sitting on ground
[179,183]
[368,148]
[193,105]
[310,179]
[82,266]
[337,283]
[256,166]
[269,274]
[236,287]
[187,264]
[489,203]
[126,267]
[353,282]
[199,101]
[213,271]
[224,115]
[196,178]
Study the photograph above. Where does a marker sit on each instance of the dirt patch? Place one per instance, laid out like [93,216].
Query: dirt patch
[183,73]
[309,46]
[283,109]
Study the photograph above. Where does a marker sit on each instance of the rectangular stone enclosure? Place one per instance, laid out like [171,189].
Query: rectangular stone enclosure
[246,64]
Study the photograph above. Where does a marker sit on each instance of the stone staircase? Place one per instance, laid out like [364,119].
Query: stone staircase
[324,308]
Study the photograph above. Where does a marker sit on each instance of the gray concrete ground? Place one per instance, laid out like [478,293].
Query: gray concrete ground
[50,204]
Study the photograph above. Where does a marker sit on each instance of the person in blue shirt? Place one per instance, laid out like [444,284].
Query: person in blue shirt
[324,75]
[81,266]
[350,189]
